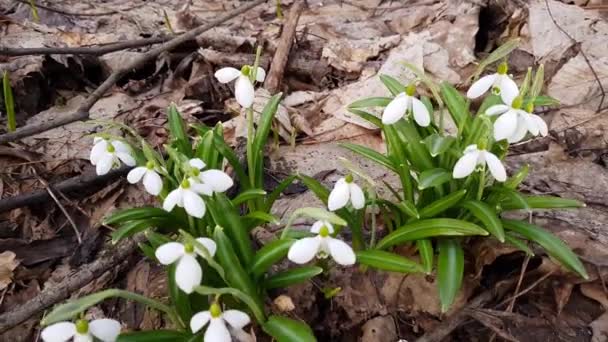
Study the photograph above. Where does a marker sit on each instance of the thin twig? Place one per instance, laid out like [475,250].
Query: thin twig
[93,50]
[82,112]
[597,79]
[75,14]
[527,289]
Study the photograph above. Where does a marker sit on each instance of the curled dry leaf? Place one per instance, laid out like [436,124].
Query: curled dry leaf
[8,263]
[284,303]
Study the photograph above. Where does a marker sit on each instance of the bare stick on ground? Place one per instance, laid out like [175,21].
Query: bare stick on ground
[82,113]
[53,294]
[279,61]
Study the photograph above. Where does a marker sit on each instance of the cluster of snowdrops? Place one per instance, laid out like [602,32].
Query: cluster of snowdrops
[218,282]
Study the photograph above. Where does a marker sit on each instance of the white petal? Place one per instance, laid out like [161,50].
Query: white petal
[97,139]
[357,198]
[126,158]
[153,183]
[542,125]
[194,204]
[218,180]
[120,146]
[104,165]
[304,250]
[237,319]
[174,198]
[243,91]
[188,273]
[465,165]
[316,227]
[225,75]
[169,252]
[395,110]
[217,331]
[505,125]
[495,166]
[58,332]
[197,163]
[198,321]
[508,90]
[105,329]
[470,148]
[209,245]
[421,113]
[481,86]
[83,338]
[341,252]
[260,76]
[136,174]
[497,109]
[200,188]
[98,151]
[339,196]
[530,123]
[520,131]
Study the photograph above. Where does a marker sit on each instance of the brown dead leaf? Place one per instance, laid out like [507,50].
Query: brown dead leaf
[562,291]
[284,303]
[381,328]
[7,266]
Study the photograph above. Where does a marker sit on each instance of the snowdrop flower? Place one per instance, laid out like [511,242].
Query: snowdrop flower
[187,196]
[405,103]
[322,245]
[499,82]
[473,157]
[188,273]
[107,154]
[243,88]
[513,122]
[216,180]
[345,190]
[217,331]
[151,179]
[105,330]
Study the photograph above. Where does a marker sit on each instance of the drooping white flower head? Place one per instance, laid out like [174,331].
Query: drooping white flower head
[188,273]
[153,183]
[344,191]
[322,245]
[187,196]
[107,154]
[105,330]
[513,122]
[217,331]
[243,88]
[473,157]
[405,103]
[216,180]
[499,82]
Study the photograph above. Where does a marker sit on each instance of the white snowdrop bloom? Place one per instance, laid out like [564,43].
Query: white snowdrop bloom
[345,190]
[105,330]
[107,154]
[187,196]
[243,88]
[322,245]
[188,273]
[405,103]
[513,122]
[218,331]
[152,181]
[473,157]
[216,180]
[499,82]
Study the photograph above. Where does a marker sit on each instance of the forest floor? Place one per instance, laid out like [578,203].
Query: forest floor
[340,48]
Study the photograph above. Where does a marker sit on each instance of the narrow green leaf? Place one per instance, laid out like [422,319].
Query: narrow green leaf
[315,186]
[131,214]
[261,135]
[261,216]
[251,302]
[371,102]
[269,255]
[428,82]
[247,195]
[430,228]
[9,103]
[155,336]
[131,228]
[274,195]
[487,216]
[517,243]
[227,216]
[387,261]
[501,52]
[437,144]
[511,199]
[433,177]
[555,247]
[450,271]
[457,105]
[442,204]
[177,128]
[371,118]
[285,329]
[371,155]
[408,208]
[542,202]
[545,100]
[539,80]
[425,249]
[392,84]
[292,276]
[231,157]
[514,181]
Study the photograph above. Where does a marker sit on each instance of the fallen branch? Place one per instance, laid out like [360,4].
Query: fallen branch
[79,183]
[82,113]
[93,50]
[55,293]
[281,55]
[73,14]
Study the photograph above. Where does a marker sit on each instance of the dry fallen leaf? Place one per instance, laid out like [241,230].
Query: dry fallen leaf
[8,263]
[284,303]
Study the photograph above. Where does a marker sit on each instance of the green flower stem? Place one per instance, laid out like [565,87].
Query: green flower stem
[482,181]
